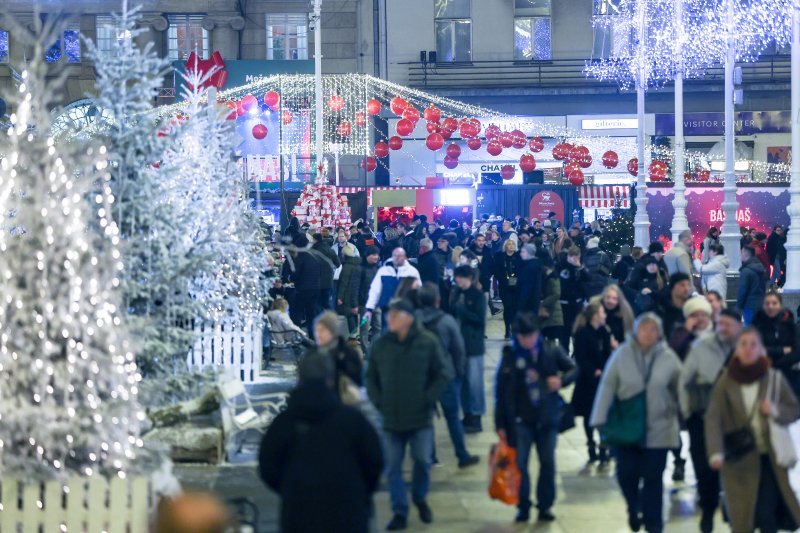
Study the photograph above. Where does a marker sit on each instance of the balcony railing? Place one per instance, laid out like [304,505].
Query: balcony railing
[562,73]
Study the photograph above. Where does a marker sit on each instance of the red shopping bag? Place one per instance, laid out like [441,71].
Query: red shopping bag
[504,476]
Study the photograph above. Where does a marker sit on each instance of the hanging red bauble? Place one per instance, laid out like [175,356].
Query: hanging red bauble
[561,151]
[657,170]
[374,107]
[335,103]
[633,167]
[344,129]
[449,124]
[476,124]
[536,145]
[527,163]
[576,178]
[585,162]
[506,139]
[518,139]
[492,132]
[433,127]
[570,167]
[232,106]
[288,117]
[404,127]
[395,142]
[507,172]
[434,142]
[687,176]
[361,119]
[450,162]
[397,105]
[381,149]
[432,113]
[468,130]
[369,163]
[494,147]
[474,144]
[272,99]
[411,113]
[454,150]
[248,102]
[580,154]
[704,175]
[259,131]
[446,134]
[610,159]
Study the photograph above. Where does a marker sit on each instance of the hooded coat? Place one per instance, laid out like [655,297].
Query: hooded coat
[446,329]
[349,285]
[752,285]
[713,274]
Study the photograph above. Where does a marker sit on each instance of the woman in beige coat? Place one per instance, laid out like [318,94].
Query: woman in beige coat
[757,489]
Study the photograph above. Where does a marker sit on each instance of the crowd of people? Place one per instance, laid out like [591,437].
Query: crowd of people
[396,328]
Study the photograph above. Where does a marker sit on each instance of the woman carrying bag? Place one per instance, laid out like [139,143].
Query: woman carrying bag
[746,439]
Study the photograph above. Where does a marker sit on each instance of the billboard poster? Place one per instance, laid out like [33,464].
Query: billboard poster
[545,201]
[759,207]
[745,123]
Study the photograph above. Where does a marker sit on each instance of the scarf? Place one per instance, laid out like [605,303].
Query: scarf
[745,375]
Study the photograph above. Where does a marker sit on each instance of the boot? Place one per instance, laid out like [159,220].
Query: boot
[707,522]
[603,457]
[592,452]
[678,474]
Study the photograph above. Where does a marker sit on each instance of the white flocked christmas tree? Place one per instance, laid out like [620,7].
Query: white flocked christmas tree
[68,378]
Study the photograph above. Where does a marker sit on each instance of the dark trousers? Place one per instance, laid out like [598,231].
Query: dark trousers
[552,333]
[643,466]
[307,302]
[492,307]
[571,312]
[450,400]
[545,441]
[325,296]
[769,504]
[509,308]
[707,479]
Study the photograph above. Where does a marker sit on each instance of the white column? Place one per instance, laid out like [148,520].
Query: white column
[679,221]
[641,222]
[730,235]
[793,237]
[320,122]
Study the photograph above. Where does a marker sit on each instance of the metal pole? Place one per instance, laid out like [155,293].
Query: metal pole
[793,237]
[641,222]
[679,222]
[320,123]
[730,236]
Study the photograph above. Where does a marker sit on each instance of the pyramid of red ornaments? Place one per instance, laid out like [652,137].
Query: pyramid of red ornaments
[321,205]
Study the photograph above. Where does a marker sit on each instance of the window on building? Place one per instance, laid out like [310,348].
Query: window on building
[453,30]
[287,36]
[606,7]
[532,30]
[107,37]
[68,46]
[3,46]
[186,35]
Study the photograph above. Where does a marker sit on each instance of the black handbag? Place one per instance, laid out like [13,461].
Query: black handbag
[566,420]
[738,444]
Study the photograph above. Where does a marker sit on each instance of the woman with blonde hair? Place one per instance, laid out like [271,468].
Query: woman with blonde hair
[619,314]
[739,441]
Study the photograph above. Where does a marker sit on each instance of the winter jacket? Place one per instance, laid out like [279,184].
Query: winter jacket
[529,296]
[713,274]
[512,393]
[282,329]
[507,270]
[305,273]
[616,324]
[776,248]
[405,379]
[624,377]
[777,333]
[671,315]
[485,265]
[469,308]
[384,285]
[761,253]
[707,242]
[445,328]
[338,251]
[368,272]
[592,348]
[349,283]
[752,285]
[551,302]
[598,266]
[428,268]
[704,363]
[324,460]
[346,360]
[678,259]
[328,263]
[573,285]
[622,269]
[639,278]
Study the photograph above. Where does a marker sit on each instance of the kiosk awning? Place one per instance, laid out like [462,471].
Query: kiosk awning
[604,196]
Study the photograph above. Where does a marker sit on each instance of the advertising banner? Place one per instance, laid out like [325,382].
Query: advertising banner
[746,123]
[543,203]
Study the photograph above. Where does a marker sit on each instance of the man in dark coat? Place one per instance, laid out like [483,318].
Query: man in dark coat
[776,252]
[752,284]
[328,261]
[485,267]
[324,459]
[623,267]
[427,263]
[574,279]
[304,273]
[371,328]
[598,265]
[530,281]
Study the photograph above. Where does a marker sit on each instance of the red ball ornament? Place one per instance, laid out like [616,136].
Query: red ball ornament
[450,124]
[404,127]
[507,172]
[232,106]
[633,167]
[344,129]
[335,103]
[259,131]
[657,170]
[576,178]
[272,99]
[492,132]
[494,147]
[704,175]
[361,119]
[433,127]
[475,144]
[247,103]
[506,139]
[561,151]
[395,142]
[468,130]
[610,159]
[397,105]
[527,163]
[570,167]
[434,142]
[579,154]
[288,117]
[432,113]
[446,134]
[454,150]
[450,162]
[374,107]
[369,163]
[381,149]
[585,162]
[476,124]
[518,139]
[536,145]
[411,113]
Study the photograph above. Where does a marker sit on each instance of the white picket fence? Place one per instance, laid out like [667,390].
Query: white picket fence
[78,505]
[231,344]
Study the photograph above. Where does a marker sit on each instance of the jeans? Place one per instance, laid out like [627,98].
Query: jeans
[545,441]
[473,397]
[748,314]
[451,407]
[634,466]
[707,480]
[371,330]
[420,442]
[777,267]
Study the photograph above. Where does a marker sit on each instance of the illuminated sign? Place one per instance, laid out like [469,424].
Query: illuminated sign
[610,124]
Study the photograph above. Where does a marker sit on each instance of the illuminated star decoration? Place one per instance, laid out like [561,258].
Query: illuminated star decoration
[214,64]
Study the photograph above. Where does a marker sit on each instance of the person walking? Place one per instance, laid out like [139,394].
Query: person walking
[348,288]
[508,267]
[598,266]
[447,331]
[593,346]
[528,409]
[643,363]
[704,363]
[619,315]
[386,281]
[329,262]
[711,238]
[323,458]
[427,263]
[348,365]
[713,269]
[752,284]
[574,279]
[645,284]
[485,267]
[679,258]
[743,400]
[551,316]
[781,337]
[305,274]
[622,268]
[405,378]
[368,329]
[759,244]
[776,253]
[468,306]
[530,281]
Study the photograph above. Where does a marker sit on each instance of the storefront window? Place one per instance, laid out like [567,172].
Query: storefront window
[186,35]
[287,36]
[68,46]
[453,30]
[532,38]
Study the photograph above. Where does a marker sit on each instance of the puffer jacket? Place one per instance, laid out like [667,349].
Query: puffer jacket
[599,267]
[713,274]
[752,285]
[703,366]
[385,283]
[446,329]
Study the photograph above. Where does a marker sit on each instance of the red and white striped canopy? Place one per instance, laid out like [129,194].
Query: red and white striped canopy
[603,196]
